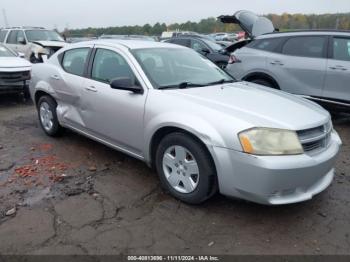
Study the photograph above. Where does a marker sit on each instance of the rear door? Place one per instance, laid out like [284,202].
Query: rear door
[68,82]
[300,65]
[337,84]
[21,42]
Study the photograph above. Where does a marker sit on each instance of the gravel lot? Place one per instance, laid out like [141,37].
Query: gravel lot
[75,196]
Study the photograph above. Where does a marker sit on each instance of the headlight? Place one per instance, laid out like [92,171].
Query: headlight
[270,141]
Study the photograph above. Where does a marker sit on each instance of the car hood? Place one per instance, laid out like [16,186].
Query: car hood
[50,43]
[257,105]
[13,62]
[251,23]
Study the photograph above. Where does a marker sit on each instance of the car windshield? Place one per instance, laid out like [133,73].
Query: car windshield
[43,35]
[179,68]
[4,52]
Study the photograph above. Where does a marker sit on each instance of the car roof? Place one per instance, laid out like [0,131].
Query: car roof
[305,33]
[129,44]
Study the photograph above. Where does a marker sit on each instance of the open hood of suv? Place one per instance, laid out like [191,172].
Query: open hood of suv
[251,23]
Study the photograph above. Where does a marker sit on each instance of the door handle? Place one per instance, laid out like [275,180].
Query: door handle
[338,67]
[56,77]
[91,89]
[276,63]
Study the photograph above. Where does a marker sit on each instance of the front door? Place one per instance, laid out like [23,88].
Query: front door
[115,116]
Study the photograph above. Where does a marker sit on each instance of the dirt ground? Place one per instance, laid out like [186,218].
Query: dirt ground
[74,196]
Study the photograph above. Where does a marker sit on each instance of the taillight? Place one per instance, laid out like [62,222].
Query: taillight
[233,60]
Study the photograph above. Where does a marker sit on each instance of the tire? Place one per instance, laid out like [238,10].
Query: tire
[190,184]
[33,59]
[263,82]
[48,117]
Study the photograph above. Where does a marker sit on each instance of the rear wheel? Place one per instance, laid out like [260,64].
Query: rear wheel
[48,117]
[185,168]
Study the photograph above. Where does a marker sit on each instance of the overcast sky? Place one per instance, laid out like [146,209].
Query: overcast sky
[102,13]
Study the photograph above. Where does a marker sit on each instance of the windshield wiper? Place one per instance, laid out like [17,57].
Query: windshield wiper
[182,85]
[221,81]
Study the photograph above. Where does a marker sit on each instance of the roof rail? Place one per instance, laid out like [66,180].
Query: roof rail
[310,31]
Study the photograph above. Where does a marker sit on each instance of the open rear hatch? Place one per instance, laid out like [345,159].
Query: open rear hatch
[251,23]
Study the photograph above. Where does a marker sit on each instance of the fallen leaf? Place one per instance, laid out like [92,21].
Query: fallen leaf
[92,168]
[11,212]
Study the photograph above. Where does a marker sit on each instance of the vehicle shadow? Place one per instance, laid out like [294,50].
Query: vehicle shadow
[341,119]
[13,99]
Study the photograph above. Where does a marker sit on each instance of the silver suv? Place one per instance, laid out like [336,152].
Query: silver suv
[36,43]
[314,64]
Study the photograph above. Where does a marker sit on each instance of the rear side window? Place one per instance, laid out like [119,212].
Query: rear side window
[305,46]
[341,49]
[3,35]
[74,61]
[12,38]
[183,42]
[270,44]
[20,36]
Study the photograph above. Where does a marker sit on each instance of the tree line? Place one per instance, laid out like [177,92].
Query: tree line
[283,22]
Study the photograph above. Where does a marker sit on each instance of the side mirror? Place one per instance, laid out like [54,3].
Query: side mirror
[21,55]
[125,83]
[21,40]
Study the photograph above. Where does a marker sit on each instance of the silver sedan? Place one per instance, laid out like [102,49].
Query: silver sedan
[200,129]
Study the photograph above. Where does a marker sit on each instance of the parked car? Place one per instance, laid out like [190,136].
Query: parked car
[225,37]
[314,64]
[79,39]
[14,72]
[128,37]
[37,43]
[214,52]
[202,131]
[170,34]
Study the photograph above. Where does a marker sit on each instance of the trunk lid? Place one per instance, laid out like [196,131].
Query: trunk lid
[251,23]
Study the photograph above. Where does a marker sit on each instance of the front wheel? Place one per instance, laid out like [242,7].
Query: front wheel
[48,117]
[185,168]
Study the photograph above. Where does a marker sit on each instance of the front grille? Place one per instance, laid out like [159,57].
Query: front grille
[12,77]
[315,139]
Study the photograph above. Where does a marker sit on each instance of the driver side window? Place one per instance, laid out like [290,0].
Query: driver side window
[108,65]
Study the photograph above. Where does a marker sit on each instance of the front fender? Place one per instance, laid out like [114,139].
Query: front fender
[190,123]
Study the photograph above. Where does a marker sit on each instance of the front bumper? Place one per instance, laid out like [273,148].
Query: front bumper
[275,180]
[14,79]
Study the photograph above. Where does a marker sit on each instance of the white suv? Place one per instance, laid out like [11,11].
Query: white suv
[36,43]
